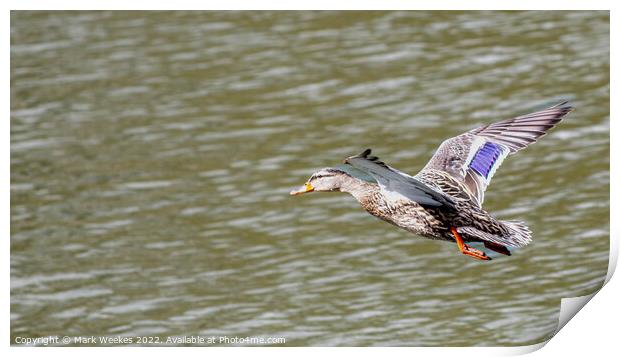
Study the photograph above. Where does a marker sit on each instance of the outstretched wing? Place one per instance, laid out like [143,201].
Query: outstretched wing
[397,184]
[473,157]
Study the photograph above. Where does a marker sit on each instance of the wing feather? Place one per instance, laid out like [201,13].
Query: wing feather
[519,132]
[396,184]
[473,157]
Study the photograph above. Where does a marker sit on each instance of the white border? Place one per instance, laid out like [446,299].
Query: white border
[311,5]
[592,331]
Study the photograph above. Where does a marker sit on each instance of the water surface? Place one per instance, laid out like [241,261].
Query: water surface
[152,154]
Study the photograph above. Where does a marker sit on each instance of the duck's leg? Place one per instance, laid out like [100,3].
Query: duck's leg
[467,250]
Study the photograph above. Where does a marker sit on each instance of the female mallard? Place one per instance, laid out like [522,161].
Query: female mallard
[444,200]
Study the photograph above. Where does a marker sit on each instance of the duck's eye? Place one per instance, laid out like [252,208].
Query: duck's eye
[319,176]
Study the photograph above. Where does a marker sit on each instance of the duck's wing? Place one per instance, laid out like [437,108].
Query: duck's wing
[473,157]
[357,173]
[396,184]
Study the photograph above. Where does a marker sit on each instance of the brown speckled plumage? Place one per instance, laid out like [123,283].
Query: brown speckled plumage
[430,222]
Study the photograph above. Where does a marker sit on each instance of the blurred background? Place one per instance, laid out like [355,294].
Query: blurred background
[152,154]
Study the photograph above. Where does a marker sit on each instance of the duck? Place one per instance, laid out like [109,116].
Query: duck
[443,201]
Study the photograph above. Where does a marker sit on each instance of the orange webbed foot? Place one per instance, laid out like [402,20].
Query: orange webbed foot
[467,250]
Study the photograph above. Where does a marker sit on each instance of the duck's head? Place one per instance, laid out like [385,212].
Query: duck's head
[324,180]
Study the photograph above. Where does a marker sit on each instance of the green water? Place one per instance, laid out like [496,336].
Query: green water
[152,154]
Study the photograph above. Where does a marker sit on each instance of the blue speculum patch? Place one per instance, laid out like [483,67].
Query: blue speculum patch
[484,159]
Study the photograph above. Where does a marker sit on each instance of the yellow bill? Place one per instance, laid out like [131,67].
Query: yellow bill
[303,189]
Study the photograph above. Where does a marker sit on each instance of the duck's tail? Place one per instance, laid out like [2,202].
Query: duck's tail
[519,234]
